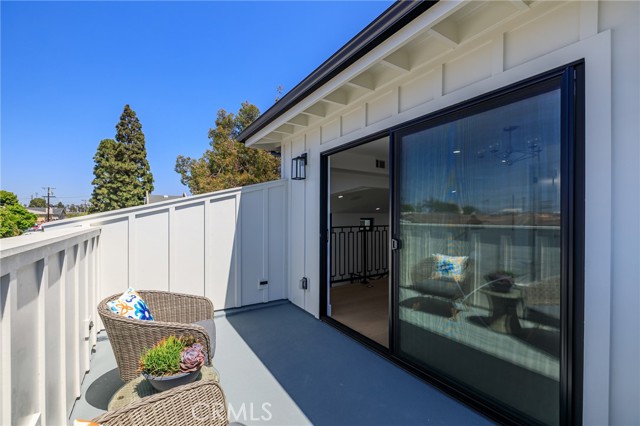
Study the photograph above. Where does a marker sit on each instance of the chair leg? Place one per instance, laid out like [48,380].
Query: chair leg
[454,312]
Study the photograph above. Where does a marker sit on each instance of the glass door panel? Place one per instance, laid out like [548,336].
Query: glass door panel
[479,218]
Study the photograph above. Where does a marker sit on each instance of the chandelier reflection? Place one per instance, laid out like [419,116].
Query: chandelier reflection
[508,155]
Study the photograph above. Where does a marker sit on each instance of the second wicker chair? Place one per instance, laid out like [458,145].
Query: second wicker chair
[199,403]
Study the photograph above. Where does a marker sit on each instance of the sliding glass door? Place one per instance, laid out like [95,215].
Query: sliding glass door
[485,265]
[479,217]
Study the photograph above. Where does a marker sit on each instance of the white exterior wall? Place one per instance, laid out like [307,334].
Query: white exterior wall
[470,54]
[220,245]
[624,276]
[48,298]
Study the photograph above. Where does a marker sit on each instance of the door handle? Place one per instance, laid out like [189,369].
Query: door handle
[396,244]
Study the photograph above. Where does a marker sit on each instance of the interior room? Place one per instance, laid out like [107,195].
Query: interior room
[359,223]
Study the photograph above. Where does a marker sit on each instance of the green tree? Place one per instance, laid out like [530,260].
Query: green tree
[38,202]
[106,184]
[122,172]
[469,209]
[60,205]
[8,198]
[228,163]
[13,217]
[437,206]
[133,149]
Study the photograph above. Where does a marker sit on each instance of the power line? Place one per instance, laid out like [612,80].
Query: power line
[79,197]
[49,195]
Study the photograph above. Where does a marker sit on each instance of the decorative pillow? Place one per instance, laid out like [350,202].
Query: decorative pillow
[449,268]
[130,305]
[78,422]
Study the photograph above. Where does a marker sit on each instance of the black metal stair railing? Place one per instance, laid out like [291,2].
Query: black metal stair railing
[359,255]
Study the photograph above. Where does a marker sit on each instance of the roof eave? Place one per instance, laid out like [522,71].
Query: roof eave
[388,23]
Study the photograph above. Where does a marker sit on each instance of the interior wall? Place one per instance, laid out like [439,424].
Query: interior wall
[343,181]
[358,188]
[354,162]
[353,219]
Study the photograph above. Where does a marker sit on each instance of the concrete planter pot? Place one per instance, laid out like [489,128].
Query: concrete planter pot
[164,383]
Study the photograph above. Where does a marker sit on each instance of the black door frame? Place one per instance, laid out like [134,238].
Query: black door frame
[572,78]
[325,235]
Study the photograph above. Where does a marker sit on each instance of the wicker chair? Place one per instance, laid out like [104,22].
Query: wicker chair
[542,302]
[422,280]
[201,402]
[454,293]
[173,313]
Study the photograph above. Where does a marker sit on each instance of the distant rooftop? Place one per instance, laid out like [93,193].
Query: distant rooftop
[55,211]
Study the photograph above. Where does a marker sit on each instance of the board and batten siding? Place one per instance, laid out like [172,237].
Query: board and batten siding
[468,55]
[48,300]
[219,245]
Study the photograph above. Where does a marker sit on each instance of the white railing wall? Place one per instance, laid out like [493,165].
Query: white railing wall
[48,299]
[220,245]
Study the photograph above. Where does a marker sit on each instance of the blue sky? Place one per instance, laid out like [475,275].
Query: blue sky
[68,69]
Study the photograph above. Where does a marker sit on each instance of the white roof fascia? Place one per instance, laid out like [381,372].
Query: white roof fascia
[434,15]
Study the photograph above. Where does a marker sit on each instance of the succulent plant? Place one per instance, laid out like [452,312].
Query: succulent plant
[163,359]
[173,355]
[192,357]
[189,340]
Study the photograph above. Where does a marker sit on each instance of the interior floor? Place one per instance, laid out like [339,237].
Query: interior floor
[364,309]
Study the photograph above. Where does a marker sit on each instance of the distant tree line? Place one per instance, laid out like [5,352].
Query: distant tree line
[38,202]
[434,205]
[122,176]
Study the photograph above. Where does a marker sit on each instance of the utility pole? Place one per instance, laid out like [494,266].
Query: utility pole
[49,195]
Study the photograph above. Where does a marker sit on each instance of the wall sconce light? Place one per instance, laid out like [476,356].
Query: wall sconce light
[298,167]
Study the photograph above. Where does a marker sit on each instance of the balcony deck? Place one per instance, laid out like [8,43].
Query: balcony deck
[304,370]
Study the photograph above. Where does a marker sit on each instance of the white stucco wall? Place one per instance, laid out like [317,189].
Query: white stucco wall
[490,54]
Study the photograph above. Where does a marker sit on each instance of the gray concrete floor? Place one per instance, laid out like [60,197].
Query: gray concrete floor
[280,366]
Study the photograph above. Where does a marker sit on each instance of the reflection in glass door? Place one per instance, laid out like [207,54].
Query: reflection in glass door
[479,218]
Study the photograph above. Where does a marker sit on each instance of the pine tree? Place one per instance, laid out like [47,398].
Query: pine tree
[137,178]
[122,172]
[228,163]
[106,189]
